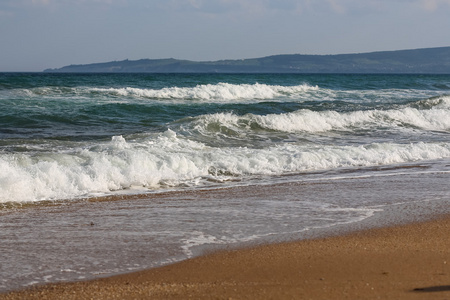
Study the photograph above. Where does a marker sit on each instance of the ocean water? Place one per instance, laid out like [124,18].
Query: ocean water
[69,136]
[204,159]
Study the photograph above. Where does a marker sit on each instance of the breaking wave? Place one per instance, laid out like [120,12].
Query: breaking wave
[221,91]
[169,160]
[305,120]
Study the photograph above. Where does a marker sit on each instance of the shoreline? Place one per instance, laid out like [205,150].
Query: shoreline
[88,240]
[409,261]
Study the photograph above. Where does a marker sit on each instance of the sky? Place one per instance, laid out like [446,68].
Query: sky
[40,34]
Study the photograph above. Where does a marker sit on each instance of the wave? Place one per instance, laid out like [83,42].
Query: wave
[220,91]
[169,160]
[305,120]
[441,101]
[227,92]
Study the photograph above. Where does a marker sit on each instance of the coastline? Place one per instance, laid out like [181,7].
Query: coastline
[83,241]
[409,261]
[132,172]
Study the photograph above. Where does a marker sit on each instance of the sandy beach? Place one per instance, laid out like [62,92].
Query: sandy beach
[402,262]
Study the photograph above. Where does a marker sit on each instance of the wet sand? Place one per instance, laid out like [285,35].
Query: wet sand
[402,262]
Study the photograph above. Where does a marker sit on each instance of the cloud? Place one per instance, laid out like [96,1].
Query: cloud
[256,8]
[433,5]
[336,6]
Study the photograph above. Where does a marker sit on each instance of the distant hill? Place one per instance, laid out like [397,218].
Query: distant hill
[429,60]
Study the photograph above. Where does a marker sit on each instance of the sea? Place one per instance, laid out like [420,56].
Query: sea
[103,174]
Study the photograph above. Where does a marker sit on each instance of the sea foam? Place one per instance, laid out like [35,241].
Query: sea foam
[224,92]
[220,91]
[306,120]
[169,160]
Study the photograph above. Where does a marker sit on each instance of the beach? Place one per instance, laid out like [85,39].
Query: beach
[230,178]
[401,262]
[99,237]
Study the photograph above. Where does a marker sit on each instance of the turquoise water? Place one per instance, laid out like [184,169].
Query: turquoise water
[65,136]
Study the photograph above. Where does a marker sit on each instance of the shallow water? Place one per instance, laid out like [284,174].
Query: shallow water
[92,238]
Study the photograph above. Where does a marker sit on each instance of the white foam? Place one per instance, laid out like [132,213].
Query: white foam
[169,160]
[441,101]
[227,92]
[215,92]
[199,238]
[310,121]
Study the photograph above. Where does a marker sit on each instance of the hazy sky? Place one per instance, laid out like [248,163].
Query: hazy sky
[40,34]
